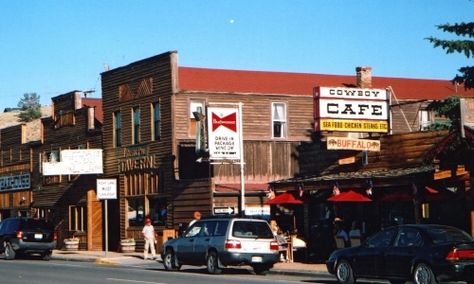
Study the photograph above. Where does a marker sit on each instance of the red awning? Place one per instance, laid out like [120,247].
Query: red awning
[288,197]
[349,196]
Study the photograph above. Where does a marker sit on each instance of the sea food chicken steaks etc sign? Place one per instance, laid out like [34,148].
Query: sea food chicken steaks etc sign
[351,109]
[223,128]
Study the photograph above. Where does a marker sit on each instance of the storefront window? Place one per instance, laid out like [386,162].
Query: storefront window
[158,211]
[77,218]
[136,211]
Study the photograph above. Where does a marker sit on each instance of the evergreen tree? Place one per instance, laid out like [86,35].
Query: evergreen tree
[464,44]
[30,107]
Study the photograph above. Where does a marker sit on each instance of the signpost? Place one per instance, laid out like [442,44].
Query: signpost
[106,189]
[225,138]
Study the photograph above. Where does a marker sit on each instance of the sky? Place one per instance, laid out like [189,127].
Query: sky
[51,47]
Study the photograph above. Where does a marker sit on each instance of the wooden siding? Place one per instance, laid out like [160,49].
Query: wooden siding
[190,196]
[257,120]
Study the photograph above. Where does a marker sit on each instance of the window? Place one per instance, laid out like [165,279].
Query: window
[156,123]
[279,124]
[408,237]
[158,211]
[424,119]
[194,106]
[77,218]
[136,125]
[117,129]
[381,239]
[136,211]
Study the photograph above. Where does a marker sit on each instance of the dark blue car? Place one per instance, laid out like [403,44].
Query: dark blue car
[422,253]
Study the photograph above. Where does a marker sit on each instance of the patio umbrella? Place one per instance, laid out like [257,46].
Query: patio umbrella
[349,196]
[288,197]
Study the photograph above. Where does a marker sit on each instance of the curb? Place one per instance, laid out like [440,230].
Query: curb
[105,261]
[298,272]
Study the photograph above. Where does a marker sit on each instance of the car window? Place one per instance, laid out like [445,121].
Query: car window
[381,239]
[12,225]
[408,237]
[35,224]
[448,235]
[194,230]
[251,230]
[207,229]
[221,228]
[1,226]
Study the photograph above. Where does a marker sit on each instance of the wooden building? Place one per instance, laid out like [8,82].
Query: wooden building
[149,134]
[18,163]
[70,200]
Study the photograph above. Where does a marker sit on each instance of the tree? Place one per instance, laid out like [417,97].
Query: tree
[448,108]
[462,45]
[30,107]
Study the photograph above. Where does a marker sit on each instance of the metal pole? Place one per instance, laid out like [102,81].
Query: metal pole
[242,181]
[106,230]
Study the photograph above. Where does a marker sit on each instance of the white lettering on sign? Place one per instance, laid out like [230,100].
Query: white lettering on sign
[15,181]
[106,189]
[352,109]
[351,93]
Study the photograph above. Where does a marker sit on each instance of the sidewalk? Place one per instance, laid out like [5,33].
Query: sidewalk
[136,258]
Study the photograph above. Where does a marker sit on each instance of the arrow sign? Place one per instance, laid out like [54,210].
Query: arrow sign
[224,210]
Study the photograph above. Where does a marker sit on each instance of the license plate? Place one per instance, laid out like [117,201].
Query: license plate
[38,236]
[257,259]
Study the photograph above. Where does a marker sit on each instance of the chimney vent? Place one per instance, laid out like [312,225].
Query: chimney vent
[364,77]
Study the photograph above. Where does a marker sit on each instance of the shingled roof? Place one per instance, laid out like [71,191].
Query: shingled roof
[264,82]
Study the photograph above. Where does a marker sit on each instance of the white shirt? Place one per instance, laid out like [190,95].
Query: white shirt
[149,232]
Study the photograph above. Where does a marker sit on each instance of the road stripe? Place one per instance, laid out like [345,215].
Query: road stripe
[132,281]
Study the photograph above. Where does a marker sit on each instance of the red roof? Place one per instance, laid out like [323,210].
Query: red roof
[97,104]
[263,82]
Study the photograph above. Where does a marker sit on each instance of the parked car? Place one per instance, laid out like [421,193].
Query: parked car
[26,235]
[218,242]
[424,253]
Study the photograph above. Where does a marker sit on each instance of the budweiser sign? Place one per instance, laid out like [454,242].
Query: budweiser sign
[224,140]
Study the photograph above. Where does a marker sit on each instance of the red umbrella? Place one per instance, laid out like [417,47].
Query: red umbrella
[288,197]
[349,196]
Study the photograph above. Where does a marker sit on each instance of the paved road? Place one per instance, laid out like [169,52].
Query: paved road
[31,270]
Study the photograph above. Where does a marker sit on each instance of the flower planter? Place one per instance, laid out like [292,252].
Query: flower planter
[127,245]
[71,245]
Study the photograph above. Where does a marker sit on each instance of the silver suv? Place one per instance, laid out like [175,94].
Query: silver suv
[219,242]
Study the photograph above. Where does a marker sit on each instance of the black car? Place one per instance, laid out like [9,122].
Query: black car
[26,235]
[423,253]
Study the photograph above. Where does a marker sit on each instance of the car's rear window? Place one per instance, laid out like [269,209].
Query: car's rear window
[251,230]
[448,235]
[36,224]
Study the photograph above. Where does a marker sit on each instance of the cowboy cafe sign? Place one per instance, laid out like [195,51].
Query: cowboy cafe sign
[351,109]
[224,139]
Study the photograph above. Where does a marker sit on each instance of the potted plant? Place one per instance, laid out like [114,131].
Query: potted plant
[71,243]
[127,245]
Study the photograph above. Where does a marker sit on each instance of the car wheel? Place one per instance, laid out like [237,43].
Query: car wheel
[423,275]
[9,251]
[261,269]
[344,272]
[169,261]
[46,255]
[213,263]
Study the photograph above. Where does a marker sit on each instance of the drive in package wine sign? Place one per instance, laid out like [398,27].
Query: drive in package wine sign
[223,129]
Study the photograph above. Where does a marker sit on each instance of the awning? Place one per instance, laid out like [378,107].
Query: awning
[288,197]
[349,196]
[396,196]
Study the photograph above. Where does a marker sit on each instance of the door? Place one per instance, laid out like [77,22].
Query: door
[185,245]
[369,259]
[399,258]
[203,241]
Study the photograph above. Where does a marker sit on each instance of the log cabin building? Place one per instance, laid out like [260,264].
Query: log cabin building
[18,175]
[70,201]
[149,134]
